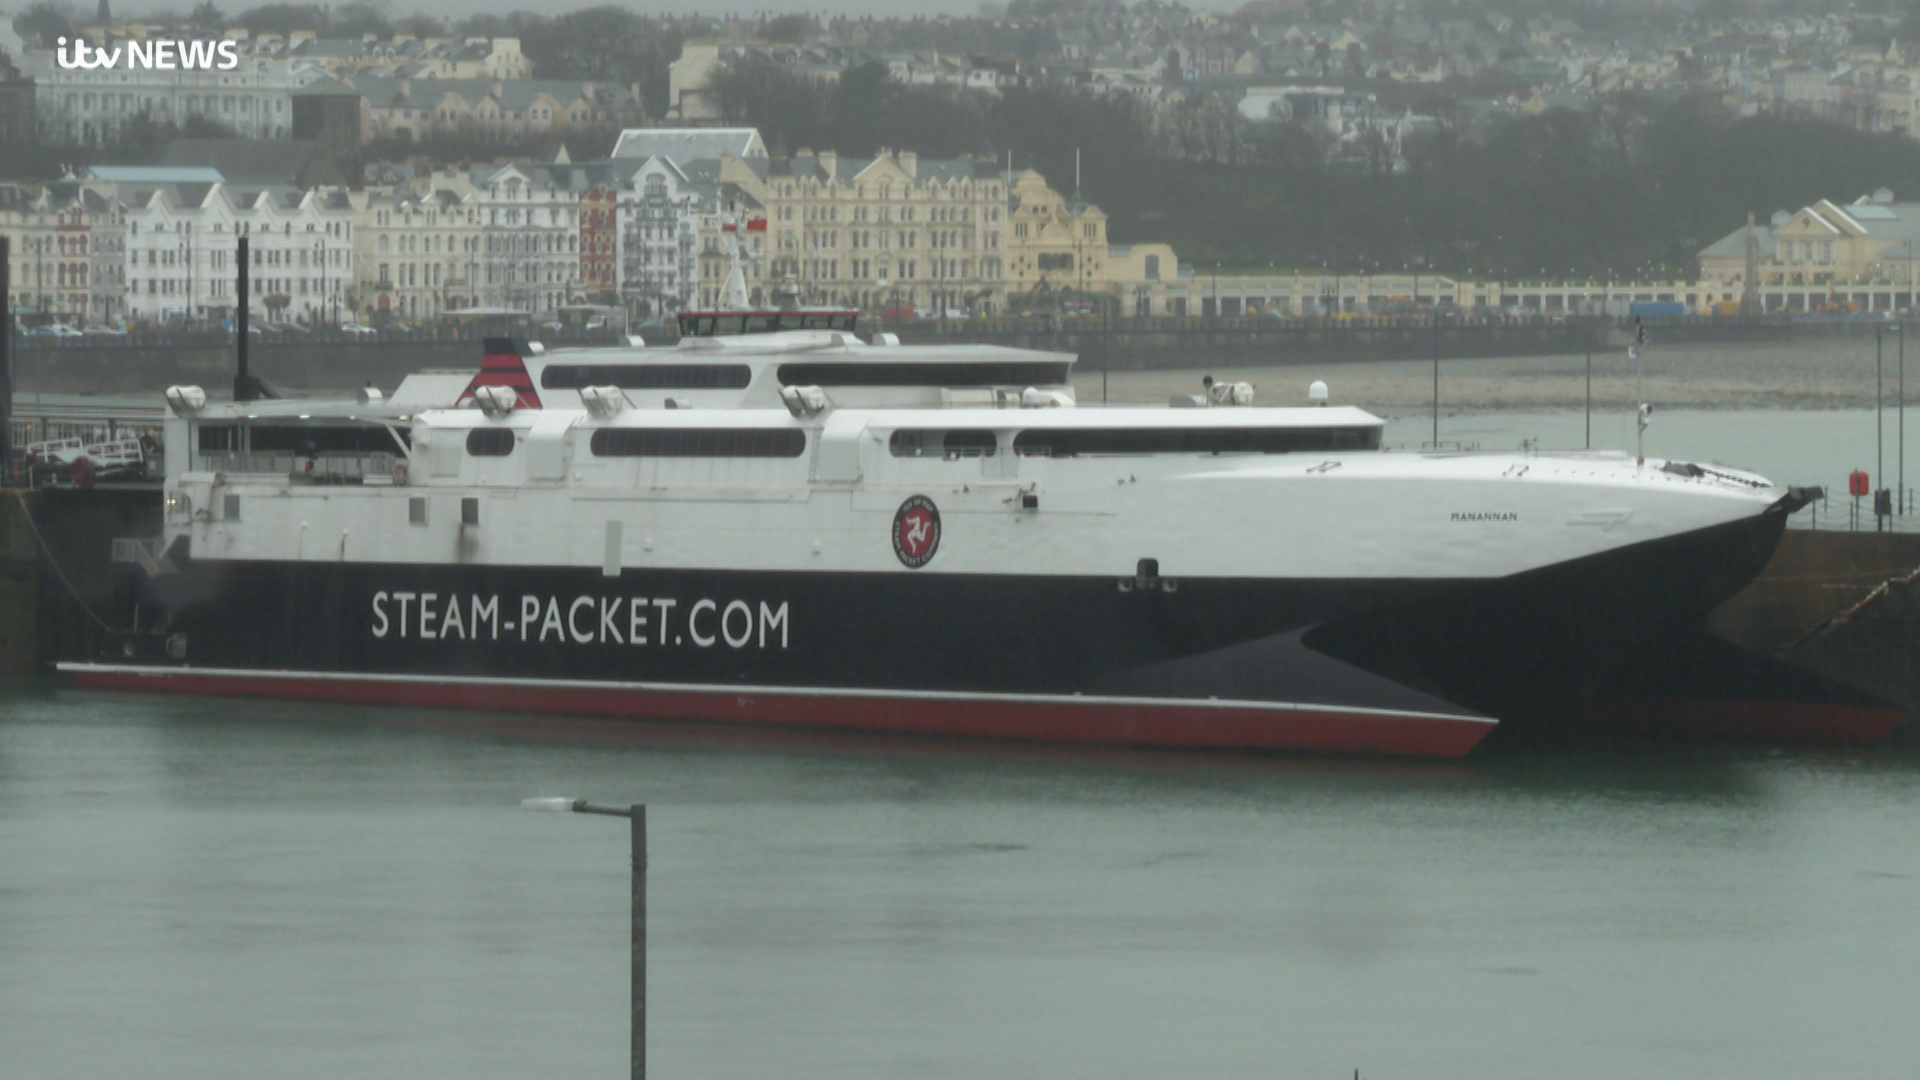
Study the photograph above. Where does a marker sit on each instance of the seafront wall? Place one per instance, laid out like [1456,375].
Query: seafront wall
[156,361]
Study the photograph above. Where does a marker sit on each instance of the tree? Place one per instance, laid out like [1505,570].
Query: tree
[207,16]
[362,17]
[788,29]
[276,303]
[610,43]
[283,18]
[46,21]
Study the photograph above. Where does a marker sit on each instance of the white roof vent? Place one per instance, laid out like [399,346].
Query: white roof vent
[804,401]
[603,401]
[1883,195]
[370,396]
[1781,217]
[1226,393]
[1317,391]
[186,400]
[496,400]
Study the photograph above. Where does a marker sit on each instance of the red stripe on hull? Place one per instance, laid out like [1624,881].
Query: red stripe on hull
[1811,723]
[1144,723]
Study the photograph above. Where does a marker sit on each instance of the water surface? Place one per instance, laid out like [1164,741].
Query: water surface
[199,889]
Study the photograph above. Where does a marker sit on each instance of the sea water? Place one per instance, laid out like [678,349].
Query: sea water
[213,890]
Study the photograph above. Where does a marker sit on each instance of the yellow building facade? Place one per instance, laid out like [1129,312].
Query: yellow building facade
[1058,256]
[891,231]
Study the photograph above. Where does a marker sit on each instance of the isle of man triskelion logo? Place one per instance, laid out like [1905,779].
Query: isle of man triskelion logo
[916,532]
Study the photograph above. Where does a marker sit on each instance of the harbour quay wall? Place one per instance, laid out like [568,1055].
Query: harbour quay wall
[21,650]
[1842,604]
[56,570]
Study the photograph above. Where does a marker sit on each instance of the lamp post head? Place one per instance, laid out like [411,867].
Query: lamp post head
[552,805]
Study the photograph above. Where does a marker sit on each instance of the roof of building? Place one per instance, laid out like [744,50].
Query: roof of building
[251,161]
[151,174]
[689,144]
[1881,220]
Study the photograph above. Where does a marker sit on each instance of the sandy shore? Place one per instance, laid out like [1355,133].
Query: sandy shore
[1828,373]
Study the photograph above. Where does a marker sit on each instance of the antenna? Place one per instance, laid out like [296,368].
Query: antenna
[1644,415]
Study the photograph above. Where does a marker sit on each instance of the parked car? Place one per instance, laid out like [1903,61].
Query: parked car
[58,330]
[102,330]
[355,330]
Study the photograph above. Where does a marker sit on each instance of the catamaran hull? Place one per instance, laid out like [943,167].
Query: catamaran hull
[1401,667]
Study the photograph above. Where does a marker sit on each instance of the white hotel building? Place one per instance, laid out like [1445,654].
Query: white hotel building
[182,232]
[255,99]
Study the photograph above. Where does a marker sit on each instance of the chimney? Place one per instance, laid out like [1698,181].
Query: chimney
[406,86]
[910,164]
[830,163]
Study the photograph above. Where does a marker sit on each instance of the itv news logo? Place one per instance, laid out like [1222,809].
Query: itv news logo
[149,55]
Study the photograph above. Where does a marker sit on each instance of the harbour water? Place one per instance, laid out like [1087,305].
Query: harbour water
[213,890]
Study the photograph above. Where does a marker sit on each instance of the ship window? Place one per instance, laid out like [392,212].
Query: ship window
[1067,442]
[470,511]
[230,507]
[699,442]
[766,322]
[999,373]
[417,510]
[647,376]
[921,442]
[490,442]
[218,437]
[319,439]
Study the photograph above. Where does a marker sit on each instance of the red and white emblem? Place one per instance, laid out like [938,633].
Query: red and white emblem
[916,532]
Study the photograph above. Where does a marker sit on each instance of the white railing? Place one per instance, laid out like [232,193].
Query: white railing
[1848,514]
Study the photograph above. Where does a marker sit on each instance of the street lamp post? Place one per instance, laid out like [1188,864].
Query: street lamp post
[637,814]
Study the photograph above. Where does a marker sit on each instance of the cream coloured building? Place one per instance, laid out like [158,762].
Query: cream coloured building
[68,250]
[889,231]
[1057,251]
[418,253]
[1870,241]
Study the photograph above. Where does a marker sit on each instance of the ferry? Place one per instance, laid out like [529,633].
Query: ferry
[780,522]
